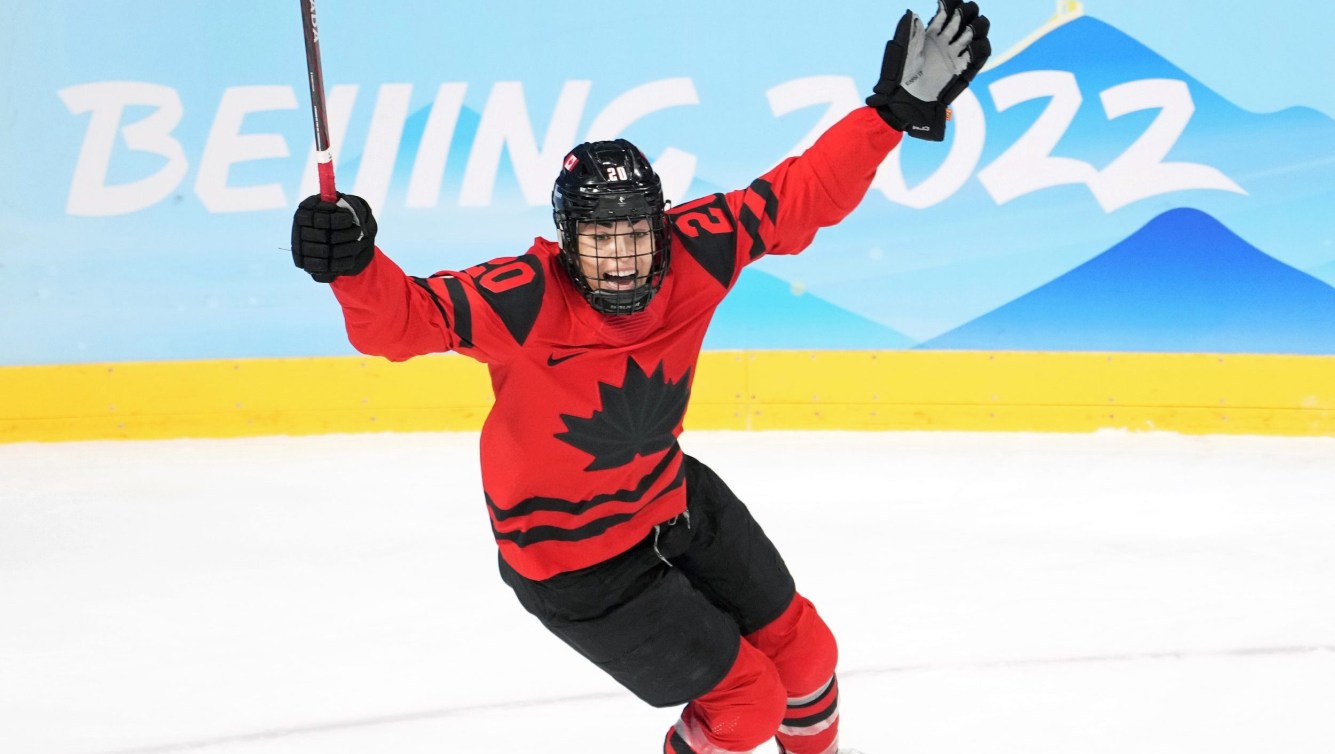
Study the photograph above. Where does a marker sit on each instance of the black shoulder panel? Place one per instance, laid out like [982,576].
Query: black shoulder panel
[513,289]
[706,231]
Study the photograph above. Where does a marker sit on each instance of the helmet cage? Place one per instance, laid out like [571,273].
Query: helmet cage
[611,218]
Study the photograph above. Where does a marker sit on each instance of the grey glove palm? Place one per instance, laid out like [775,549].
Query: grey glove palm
[925,69]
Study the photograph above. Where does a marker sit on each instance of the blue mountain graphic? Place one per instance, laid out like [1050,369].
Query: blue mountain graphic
[1184,282]
[762,312]
[933,279]
[1325,272]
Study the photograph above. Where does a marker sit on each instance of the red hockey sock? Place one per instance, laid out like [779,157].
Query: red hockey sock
[811,725]
[804,653]
[737,715]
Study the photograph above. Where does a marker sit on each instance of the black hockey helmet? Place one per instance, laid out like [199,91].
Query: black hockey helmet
[602,183]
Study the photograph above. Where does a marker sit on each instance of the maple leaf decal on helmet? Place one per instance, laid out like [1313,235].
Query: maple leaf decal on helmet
[636,418]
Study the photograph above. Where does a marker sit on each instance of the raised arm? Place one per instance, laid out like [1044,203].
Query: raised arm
[923,70]
[389,313]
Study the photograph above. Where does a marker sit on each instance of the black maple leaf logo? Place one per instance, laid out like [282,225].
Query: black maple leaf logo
[637,418]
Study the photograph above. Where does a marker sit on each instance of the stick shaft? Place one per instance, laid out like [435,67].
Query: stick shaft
[324,157]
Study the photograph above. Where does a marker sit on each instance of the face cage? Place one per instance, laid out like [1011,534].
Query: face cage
[603,242]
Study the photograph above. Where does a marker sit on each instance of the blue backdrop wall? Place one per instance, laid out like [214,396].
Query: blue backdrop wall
[1120,178]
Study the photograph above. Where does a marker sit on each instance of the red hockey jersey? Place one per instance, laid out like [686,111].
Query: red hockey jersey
[579,453]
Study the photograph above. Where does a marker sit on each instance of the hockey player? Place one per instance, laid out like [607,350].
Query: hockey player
[635,554]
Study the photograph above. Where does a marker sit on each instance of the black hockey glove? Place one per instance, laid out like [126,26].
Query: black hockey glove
[924,70]
[333,239]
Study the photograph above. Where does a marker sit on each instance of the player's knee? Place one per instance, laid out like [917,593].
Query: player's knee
[743,711]
[801,647]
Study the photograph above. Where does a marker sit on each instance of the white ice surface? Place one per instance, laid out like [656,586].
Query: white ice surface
[992,593]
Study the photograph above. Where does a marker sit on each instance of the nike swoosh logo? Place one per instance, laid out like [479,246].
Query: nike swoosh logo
[553,360]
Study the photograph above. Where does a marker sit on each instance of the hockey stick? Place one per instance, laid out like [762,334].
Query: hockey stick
[324,158]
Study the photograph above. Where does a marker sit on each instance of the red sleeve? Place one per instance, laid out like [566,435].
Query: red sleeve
[484,312]
[782,210]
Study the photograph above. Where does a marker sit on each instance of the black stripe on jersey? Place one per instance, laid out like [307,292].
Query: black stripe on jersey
[434,298]
[751,221]
[707,240]
[809,720]
[764,190]
[751,224]
[557,505]
[463,312]
[536,534]
[463,326]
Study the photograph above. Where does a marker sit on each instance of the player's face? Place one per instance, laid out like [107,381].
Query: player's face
[616,255]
